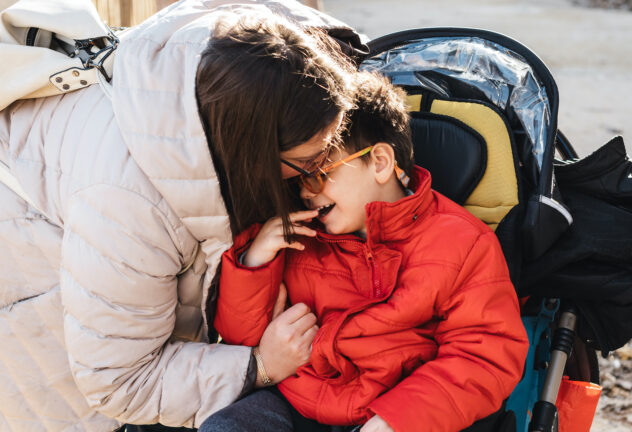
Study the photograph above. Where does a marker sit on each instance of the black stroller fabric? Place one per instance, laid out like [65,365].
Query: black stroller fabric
[435,136]
[592,263]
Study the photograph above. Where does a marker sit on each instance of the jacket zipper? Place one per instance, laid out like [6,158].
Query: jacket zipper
[377,286]
[377,289]
[375,273]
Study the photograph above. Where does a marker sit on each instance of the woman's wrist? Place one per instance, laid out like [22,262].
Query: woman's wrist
[262,377]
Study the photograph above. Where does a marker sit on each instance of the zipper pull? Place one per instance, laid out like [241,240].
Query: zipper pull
[368,257]
[368,254]
[375,277]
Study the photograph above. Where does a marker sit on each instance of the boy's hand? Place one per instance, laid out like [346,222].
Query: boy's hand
[270,238]
[376,424]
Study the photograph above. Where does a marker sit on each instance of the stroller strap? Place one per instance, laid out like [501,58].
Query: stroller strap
[53,50]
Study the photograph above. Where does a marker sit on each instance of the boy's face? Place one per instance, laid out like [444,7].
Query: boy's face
[347,190]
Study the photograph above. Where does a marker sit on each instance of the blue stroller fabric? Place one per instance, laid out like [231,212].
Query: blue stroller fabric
[527,392]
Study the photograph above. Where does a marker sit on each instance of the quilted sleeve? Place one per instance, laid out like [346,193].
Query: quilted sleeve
[119,291]
[246,294]
[482,348]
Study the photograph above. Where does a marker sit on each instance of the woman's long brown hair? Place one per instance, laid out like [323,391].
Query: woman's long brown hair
[263,88]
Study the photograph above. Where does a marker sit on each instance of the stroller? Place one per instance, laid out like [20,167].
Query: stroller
[484,123]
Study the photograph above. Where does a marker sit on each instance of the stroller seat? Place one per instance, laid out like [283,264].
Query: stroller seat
[468,147]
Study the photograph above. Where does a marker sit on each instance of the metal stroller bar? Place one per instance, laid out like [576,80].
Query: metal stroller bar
[545,411]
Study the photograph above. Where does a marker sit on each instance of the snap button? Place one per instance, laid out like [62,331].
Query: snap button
[66,86]
[83,82]
[75,73]
[59,79]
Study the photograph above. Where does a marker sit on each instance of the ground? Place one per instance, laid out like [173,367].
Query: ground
[588,50]
[614,412]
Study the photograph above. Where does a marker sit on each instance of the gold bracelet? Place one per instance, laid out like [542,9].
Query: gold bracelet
[262,370]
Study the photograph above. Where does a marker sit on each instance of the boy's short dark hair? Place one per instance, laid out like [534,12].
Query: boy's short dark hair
[380,115]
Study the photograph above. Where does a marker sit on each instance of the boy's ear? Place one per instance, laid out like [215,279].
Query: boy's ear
[383,159]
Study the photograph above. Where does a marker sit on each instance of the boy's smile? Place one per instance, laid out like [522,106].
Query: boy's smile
[324,210]
[346,191]
[340,209]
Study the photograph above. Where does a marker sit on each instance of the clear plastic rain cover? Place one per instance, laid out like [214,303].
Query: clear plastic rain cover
[503,76]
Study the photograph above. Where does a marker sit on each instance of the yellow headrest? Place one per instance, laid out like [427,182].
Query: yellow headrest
[497,192]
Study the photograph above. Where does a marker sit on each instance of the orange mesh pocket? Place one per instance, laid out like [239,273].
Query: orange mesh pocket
[576,405]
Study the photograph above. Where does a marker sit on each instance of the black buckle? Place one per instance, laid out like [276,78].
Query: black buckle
[104,46]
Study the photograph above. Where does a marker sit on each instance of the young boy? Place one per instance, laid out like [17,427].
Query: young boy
[419,322]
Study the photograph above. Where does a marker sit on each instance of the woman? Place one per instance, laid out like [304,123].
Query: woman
[104,287]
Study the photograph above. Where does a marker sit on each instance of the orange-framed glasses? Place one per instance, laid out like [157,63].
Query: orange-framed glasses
[314,181]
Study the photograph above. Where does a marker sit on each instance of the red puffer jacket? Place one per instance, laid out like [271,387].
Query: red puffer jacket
[418,324]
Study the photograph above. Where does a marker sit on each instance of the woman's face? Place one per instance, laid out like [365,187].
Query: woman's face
[302,155]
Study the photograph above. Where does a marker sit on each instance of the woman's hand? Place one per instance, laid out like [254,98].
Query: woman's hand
[270,238]
[286,343]
[376,424]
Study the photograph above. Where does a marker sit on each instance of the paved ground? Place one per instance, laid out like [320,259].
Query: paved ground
[589,51]
[614,412]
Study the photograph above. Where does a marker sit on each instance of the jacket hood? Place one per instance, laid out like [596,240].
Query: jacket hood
[155,104]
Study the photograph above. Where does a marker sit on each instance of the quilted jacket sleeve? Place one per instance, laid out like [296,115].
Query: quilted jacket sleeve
[246,294]
[482,348]
[119,291]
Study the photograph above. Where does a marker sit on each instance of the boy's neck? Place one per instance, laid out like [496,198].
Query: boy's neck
[391,191]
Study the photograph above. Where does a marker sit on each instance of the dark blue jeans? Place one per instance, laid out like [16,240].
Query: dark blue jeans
[268,411]
[265,411]
[153,428]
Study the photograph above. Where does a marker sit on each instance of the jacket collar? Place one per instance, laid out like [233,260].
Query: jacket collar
[388,222]
[393,221]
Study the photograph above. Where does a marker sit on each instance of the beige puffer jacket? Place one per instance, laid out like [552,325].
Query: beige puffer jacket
[96,321]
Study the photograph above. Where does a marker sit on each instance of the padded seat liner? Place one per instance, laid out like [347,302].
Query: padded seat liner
[454,153]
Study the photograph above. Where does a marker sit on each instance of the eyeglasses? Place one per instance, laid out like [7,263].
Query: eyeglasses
[314,181]
[310,166]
